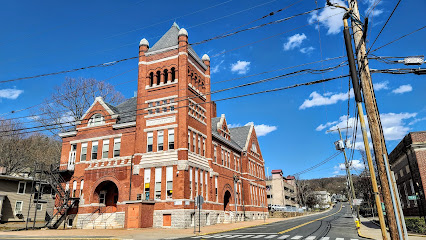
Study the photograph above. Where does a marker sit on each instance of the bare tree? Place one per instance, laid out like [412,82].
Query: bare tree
[12,147]
[70,101]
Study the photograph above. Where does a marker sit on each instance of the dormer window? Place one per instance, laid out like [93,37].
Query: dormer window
[253,147]
[96,119]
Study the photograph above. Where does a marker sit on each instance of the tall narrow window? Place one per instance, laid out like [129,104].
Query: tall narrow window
[196,182]
[83,152]
[151,79]
[74,189]
[190,181]
[222,157]
[235,163]
[117,146]
[201,182]
[158,76]
[150,140]
[21,187]
[171,138]
[215,153]
[199,144]
[173,74]
[189,140]
[105,149]
[158,183]
[169,182]
[204,146]
[147,181]
[160,140]
[166,75]
[229,160]
[207,185]
[81,188]
[193,142]
[215,186]
[94,150]
[18,207]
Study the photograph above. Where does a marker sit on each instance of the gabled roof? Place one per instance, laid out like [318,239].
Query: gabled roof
[127,110]
[239,135]
[106,106]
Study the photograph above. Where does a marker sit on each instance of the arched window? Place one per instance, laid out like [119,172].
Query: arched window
[151,79]
[158,75]
[166,76]
[173,74]
[96,119]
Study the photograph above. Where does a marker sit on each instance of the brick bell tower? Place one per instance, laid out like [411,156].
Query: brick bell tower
[173,103]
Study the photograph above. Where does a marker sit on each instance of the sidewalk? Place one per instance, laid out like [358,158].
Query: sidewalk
[137,234]
[371,230]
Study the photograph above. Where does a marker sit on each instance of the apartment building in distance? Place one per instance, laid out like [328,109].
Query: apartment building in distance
[142,163]
[280,190]
[408,163]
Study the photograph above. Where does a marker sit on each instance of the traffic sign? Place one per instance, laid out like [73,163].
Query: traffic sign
[199,200]
[414,197]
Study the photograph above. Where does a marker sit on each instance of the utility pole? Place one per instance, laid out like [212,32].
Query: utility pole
[358,99]
[341,145]
[373,117]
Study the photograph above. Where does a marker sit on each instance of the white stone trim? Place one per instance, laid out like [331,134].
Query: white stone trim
[159,99]
[198,61]
[159,121]
[248,138]
[96,138]
[160,128]
[161,84]
[161,50]
[67,134]
[124,125]
[197,91]
[101,101]
[199,70]
[157,61]
[160,114]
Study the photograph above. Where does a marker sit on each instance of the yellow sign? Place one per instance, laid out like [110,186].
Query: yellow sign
[146,185]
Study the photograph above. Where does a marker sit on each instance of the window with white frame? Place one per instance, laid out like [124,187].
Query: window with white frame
[83,156]
[215,186]
[160,140]
[94,150]
[169,182]
[81,188]
[189,140]
[215,153]
[207,186]
[18,207]
[21,187]
[223,160]
[39,206]
[158,183]
[96,119]
[199,144]
[229,160]
[147,181]
[171,138]
[74,189]
[201,182]
[196,182]
[117,146]
[204,146]
[190,182]
[150,141]
[105,148]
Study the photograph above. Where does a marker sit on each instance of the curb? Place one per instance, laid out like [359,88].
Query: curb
[363,236]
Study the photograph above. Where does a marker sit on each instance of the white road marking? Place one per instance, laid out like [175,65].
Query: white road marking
[310,238]
[271,236]
[340,239]
[246,236]
[325,238]
[258,236]
[234,236]
[296,237]
[354,238]
[284,236]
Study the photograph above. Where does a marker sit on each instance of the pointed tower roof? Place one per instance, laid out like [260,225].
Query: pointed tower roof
[170,40]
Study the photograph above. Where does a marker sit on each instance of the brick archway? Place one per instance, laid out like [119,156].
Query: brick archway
[94,197]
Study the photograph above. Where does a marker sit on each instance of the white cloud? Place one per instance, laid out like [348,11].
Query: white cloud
[241,67]
[353,165]
[375,11]
[316,99]
[10,93]
[323,126]
[216,68]
[381,85]
[403,89]
[307,49]
[330,17]
[416,120]
[33,118]
[394,127]
[294,41]
[261,129]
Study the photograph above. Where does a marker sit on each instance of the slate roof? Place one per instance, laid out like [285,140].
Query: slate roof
[127,110]
[170,39]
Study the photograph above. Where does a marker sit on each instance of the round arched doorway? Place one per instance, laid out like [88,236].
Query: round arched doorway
[107,194]
[226,200]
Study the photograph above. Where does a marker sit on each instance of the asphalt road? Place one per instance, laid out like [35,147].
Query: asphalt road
[337,224]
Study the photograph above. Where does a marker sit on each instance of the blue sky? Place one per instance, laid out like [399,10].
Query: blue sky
[50,36]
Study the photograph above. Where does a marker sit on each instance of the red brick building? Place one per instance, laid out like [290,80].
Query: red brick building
[141,163]
[408,163]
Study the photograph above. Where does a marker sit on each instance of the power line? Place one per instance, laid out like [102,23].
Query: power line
[130,58]
[318,164]
[381,30]
[218,100]
[403,36]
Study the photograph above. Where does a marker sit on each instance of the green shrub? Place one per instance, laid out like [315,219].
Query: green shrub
[415,224]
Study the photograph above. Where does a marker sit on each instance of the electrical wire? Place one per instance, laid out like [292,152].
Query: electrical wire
[403,36]
[318,164]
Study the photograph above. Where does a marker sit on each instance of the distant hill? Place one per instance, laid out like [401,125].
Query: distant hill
[332,184]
